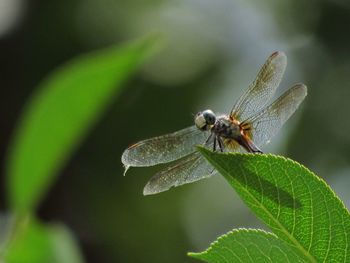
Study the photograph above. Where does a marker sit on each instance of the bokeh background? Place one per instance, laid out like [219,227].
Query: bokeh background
[212,51]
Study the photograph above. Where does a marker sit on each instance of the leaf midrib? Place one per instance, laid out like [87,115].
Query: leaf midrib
[284,230]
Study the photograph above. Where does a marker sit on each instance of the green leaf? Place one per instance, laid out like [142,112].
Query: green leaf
[34,242]
[61,112]
[299,207]
[243,245]
[64,245]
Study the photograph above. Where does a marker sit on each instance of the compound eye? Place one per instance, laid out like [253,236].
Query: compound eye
[200,121]
[209,117]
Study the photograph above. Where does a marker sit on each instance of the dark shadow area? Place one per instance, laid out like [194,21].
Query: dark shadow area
[255,182]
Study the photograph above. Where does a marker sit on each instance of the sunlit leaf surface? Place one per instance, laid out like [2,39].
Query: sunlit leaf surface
[57,117]
[298,206]
[249,246]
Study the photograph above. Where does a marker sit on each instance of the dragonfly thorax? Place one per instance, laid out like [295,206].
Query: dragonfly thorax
[204,120]
[226,128]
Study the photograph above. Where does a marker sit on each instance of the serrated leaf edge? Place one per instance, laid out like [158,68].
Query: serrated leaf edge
[306,253]
[226,235]
[285,159]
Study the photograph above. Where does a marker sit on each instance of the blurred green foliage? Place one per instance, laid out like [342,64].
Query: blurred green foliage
[59,115]
[54,122]
[34,242]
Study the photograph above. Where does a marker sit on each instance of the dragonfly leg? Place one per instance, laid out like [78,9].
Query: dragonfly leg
[214,145]
[208,139]
[220,144]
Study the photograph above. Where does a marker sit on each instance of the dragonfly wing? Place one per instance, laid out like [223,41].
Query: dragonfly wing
[164,148]
[262,89]
[267,123]
[187,170]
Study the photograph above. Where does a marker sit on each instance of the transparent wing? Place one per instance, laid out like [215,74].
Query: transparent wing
[164,148]
[267,123]
[187,170]
[262,89]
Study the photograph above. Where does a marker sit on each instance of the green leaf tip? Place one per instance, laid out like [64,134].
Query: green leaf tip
[298,206]
[149,45]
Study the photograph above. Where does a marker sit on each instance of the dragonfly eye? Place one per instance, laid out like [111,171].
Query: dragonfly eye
[209,117]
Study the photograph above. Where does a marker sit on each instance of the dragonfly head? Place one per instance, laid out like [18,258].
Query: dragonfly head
[204,120]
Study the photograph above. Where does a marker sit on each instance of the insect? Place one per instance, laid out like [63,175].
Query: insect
[250,124]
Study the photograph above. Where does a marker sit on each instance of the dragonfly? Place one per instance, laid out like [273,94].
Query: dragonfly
[250,124]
